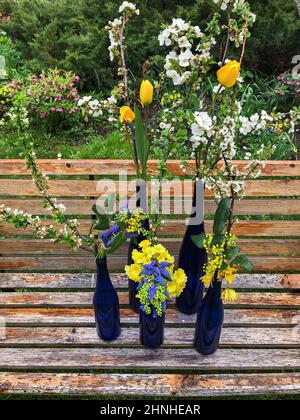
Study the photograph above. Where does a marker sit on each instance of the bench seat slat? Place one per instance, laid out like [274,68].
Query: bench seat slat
[175,385]
[17,263]
[82,188]
[49,336]
[86,281]
[84,299]
[111,167]
[248,246]
[244,207]
[167,359]
[85,316]
[177,227]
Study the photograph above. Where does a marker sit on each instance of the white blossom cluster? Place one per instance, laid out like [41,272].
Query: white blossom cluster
[115,27]
[224,188]
[241,8]
[190,50]
[90,106]
[254,123]
[21,219]
[129,8]
[202,129]
[226,137]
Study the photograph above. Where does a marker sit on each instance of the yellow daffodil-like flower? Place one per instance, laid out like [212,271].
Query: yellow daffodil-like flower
[207,279]
[229,274]
[146,92]
[228,74]
[126,115]
[133,271]
[145,244]
[179,278]
[172,289]
[229,295]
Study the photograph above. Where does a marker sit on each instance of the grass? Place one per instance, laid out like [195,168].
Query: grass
[89,145]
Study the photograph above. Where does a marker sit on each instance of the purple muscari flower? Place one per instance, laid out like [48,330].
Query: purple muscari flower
[151,269]
[114,229]
[104,236]
[160,280]
[152,291]
[165,273]
[164,306]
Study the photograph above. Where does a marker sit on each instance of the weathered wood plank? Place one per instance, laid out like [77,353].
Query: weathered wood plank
[49,336]
[112,167]
[244,207]
[87,281]
[178,227]
[85,316]
[167,359]
[175,385]
[80,188]
[287,247]
[77,262]
[154,385]
[84,299]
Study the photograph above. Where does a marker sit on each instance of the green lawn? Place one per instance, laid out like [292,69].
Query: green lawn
[88,146]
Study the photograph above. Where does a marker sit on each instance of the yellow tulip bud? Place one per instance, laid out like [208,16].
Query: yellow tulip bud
[126,115]
[146,92]
[228,74]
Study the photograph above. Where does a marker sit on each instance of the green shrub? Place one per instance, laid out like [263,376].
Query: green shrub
[72,35]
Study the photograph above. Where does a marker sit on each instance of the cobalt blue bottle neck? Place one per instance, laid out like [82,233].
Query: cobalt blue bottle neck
[103,281]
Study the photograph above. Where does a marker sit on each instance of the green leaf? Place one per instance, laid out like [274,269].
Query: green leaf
[232,252]
[102,224]
[140,139]
[243,262]
[103,221]
[101,254]
[198,240]
[221,216]
[116,242]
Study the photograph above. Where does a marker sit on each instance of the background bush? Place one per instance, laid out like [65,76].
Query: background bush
[72,35]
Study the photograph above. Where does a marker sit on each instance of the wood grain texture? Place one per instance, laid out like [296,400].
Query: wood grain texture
[82,188]
[72,336]
[112,167]
[77,262]
[175,385]
[84,299]
[87,281]
[178,227]
[85,317]
[167,359]
[167,385]
[244,207]
[284,247]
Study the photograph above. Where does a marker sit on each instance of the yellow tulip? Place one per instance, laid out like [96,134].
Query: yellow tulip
[228,74]
[126,115]
[146,92]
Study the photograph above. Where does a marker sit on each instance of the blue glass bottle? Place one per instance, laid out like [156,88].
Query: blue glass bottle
[132,285]
[192,260]
[151,330]
[210,320]
[141,191]
[106,304]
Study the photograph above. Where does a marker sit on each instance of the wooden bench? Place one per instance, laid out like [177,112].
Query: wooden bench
[51,346]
